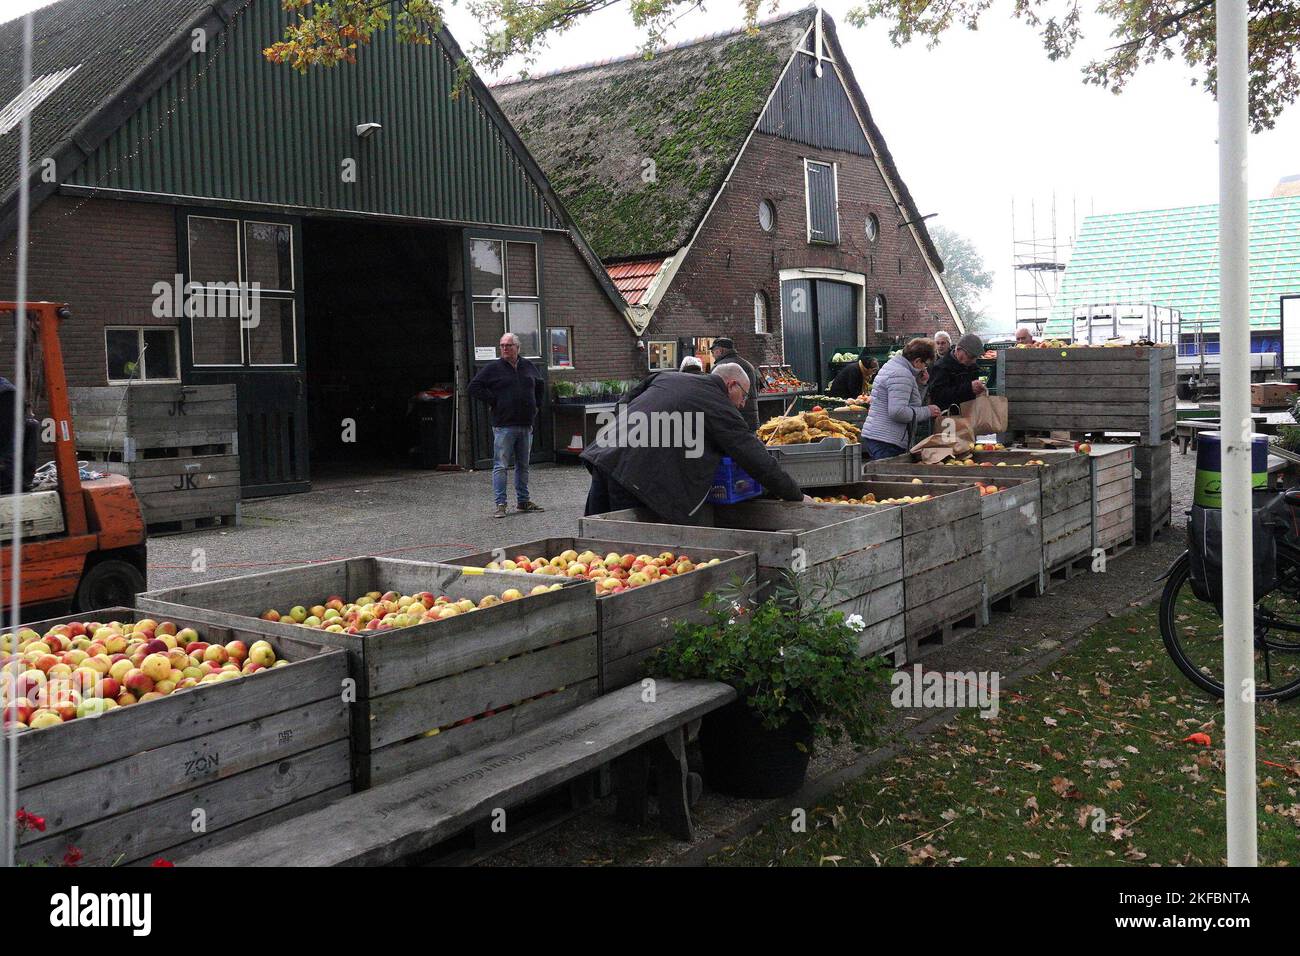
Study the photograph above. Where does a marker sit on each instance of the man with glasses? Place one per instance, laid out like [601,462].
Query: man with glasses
[513,389]
[674,482]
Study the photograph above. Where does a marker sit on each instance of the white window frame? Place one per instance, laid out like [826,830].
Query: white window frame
[543,341]
[677,359]
[879,317]
[572,358]
[140,330]
[771,206]
[761,298]
[293,266]
[807,200]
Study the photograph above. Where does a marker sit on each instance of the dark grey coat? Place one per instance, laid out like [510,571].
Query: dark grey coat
[669,482]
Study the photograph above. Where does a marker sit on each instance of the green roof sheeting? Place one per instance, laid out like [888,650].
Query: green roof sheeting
[1170,257]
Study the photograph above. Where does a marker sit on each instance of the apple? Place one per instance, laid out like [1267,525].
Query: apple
[115,644]
[215,653]
[138,682]
[44,718]
[126,699]
[152,695]
[298,614]
[20,709]
[119,669]
[540,589]
[157,667]
[511,594]
[489,600]
[262,653]
[107,688]
[638,578]
[270,615]
[196,647]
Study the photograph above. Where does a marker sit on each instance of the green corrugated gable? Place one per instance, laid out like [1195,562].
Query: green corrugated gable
[231,126]
[1170,257]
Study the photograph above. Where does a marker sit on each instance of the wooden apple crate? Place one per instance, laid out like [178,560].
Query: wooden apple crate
[506,659]
[1272,394]
[860,550]
[632,625]
[1065,493]
[1112,496]
[177,443]
[129,785]
[1097,390]
[1011,534]
[942,572]
[1152,496]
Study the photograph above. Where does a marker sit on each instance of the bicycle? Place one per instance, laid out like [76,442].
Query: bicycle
[1192,628]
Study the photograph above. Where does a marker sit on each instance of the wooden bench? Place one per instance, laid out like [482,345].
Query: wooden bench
[414,812]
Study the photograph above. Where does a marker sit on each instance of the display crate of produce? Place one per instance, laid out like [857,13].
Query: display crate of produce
[1065,492]
[829,461]
[1090,389]
[1272,394]
[631,624]
[943,579]
[200,766]
[1112,495]
[433,690]
[1152,497]
[177,443]
[1011,533]
[860,549]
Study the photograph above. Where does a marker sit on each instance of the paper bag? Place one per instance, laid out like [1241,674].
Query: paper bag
[987,414]
[941,446]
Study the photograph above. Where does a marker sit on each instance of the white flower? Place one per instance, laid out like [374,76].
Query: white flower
[780,651]
[731,620]
[855,622]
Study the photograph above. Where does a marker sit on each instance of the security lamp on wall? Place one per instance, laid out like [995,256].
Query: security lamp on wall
[367,130]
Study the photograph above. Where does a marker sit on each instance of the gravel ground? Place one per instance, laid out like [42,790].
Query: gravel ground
[429,516]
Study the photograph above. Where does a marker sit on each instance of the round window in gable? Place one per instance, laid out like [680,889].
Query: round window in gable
[766,215]
[873,227]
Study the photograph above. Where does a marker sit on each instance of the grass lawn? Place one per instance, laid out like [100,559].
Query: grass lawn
[1085,765]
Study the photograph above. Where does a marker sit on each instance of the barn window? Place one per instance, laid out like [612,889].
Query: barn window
[760,313]
[880,310]
[873,227]
[822,201]
[766,215]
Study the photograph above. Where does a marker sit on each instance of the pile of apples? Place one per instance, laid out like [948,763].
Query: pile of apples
[84,669]
[385,611]
[986,490]
[870,499]
[972,463]
[990,446]
[613,574]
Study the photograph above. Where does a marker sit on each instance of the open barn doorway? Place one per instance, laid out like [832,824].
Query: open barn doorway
[379,346]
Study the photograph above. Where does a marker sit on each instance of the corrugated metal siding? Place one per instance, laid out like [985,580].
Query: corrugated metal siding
[232,126]
[814,110]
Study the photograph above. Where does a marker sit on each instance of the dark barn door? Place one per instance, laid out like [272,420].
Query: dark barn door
[799,329]
[837,321]
[251,339]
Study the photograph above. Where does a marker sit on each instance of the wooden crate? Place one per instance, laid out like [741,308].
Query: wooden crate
[177,443]
[1272,394]
[1011,533]
[942,571]
[632,625]
[1112,495]
[861,548]
[1129,389]
[124,786]
[498,665]
[1065,492]
[129,419]
[1152,497]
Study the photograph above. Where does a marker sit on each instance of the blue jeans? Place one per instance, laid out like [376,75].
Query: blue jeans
[875,450]
[511,447]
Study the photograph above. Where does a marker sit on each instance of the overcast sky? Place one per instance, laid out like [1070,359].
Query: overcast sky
[985,119]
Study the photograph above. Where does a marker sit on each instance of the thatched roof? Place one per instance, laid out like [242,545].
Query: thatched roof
[688,109]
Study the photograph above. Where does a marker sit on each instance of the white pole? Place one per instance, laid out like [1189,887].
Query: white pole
[1234,332]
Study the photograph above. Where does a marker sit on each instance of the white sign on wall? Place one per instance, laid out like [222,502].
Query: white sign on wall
[484,353]
[1291,331]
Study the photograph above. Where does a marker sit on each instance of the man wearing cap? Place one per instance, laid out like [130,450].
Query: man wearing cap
[955,377]
[724,353]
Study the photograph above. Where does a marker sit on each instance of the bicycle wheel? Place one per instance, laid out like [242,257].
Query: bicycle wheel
[1193,632]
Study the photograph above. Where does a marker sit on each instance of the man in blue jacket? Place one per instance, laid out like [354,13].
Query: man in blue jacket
[513,389]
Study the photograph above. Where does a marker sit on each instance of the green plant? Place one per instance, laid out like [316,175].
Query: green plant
[787,655]
[565,389]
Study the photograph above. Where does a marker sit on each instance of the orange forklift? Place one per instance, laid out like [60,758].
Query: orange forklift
[83,546]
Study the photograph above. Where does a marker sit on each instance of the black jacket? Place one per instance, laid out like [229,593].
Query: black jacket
[8,397]
[849,382]
[670,483]
[750,411]
[513,392]
[950,382]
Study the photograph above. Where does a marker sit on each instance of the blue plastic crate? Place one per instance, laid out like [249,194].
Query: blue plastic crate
[732,485]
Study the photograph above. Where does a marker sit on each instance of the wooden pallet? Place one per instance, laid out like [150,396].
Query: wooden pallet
[1009,599]
[186,525]
[1045,437]
[941,634]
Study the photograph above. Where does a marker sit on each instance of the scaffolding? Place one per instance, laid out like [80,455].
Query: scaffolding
[1038,263]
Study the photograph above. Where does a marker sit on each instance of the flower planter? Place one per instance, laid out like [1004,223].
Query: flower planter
[742,758]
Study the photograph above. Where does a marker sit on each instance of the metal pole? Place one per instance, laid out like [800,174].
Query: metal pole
[1234,358]
[9,756]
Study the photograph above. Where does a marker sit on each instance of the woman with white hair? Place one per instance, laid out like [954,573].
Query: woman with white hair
[691,364]
[942,344]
